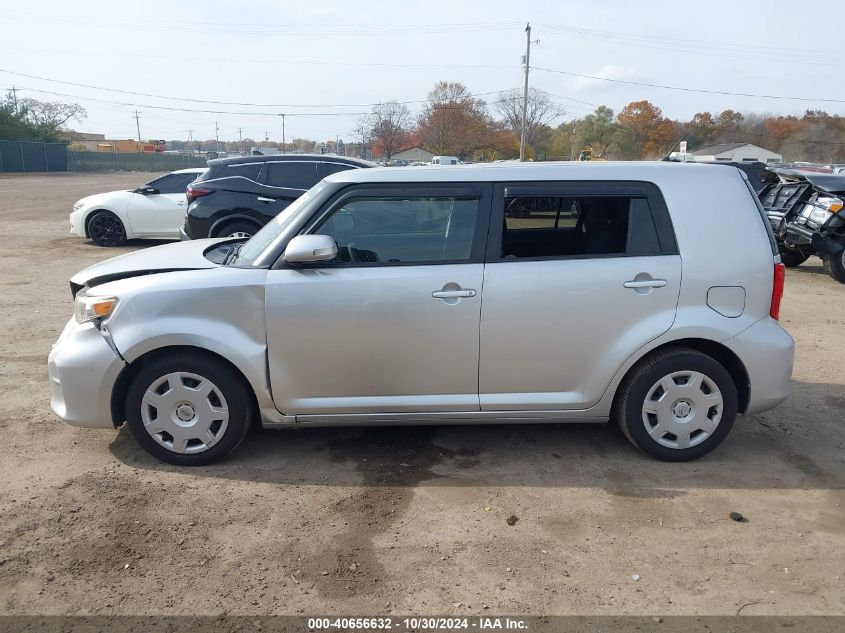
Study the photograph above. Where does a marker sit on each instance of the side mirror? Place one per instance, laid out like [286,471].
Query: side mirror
[146,190]
[308,249]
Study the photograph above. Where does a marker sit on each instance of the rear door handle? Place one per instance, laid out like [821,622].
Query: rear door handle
[263,199]
[453,294]
[645,283]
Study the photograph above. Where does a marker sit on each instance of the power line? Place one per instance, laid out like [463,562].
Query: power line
[694,49]
[683,89]
[287,30]
[234,103]
[709,44]
[267,60]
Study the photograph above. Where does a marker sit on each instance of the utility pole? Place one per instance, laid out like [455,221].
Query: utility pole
[284,149]
[15,99]
[217,135]
[138,127]
[525,92]
[240,141]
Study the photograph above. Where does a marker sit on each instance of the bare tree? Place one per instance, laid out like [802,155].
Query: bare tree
[389,126]
[541,111]
[49,117]
[361,132]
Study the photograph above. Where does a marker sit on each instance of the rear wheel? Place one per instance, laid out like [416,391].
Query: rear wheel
[835,267]
[106,229]
[792,257]
[237,229]
[188,409]
[677,405]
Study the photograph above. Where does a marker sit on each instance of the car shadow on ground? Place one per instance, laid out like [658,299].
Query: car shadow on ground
[798,445]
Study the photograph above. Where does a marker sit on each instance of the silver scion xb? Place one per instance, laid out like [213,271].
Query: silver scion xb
[495,293]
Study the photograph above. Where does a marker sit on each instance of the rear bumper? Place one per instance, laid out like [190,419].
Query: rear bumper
[83,369]
[768,352]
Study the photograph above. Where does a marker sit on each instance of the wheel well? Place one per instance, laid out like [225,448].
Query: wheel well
[127,375]
[719,353]
[91,214]
[217,229]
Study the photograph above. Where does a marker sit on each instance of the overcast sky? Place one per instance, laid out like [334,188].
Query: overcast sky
[318,54]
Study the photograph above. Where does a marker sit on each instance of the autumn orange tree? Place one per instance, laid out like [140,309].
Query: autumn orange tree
[644,131]
[453,122]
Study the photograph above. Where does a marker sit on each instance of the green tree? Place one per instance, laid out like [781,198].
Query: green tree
[597,130]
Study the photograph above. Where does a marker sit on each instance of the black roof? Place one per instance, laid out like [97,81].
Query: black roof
[330,158]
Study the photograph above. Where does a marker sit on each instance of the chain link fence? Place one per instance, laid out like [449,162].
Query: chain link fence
[20,156]
[118,161]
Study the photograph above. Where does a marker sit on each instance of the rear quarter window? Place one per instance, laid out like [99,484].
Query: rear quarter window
[246,170]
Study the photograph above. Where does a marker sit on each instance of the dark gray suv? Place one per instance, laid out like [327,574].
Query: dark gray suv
[237,196]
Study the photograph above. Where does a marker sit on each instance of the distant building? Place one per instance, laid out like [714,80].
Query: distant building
[264,151]
[84,140]
[736,153]
[415,153]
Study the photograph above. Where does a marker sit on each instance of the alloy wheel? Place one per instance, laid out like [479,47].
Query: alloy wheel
[106,229]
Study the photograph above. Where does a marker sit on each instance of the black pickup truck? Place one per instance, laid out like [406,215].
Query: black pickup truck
[805,211]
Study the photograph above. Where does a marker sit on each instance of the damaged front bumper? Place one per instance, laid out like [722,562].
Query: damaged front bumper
[83,368]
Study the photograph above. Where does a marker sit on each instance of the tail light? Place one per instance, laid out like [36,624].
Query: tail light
[196,192]
[777,290]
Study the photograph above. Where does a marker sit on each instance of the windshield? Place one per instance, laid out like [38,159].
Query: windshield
[251,249]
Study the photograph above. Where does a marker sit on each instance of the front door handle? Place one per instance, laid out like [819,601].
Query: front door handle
[453,294]
[263,199]
[645,283]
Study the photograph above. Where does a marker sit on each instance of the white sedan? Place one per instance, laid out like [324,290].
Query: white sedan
[155,210]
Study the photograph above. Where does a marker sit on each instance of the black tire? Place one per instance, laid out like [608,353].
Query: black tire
[106,229]
[791,257]
[632,394]
[236,393]
[231,229]
[835,267]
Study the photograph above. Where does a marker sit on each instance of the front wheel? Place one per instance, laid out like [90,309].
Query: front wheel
[677,405]
[106,229]
[835,267]
[188,409]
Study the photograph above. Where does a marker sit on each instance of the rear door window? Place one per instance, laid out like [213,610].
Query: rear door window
[292,174]
[591,221]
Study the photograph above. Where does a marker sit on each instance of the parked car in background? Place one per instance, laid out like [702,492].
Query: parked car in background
[407,296]
[805,211]
[445,160]
[237,196]
[153,210]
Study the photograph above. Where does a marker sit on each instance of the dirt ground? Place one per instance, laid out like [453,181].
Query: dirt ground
[409,520]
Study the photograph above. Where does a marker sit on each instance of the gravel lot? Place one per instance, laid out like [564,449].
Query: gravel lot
[412,520]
